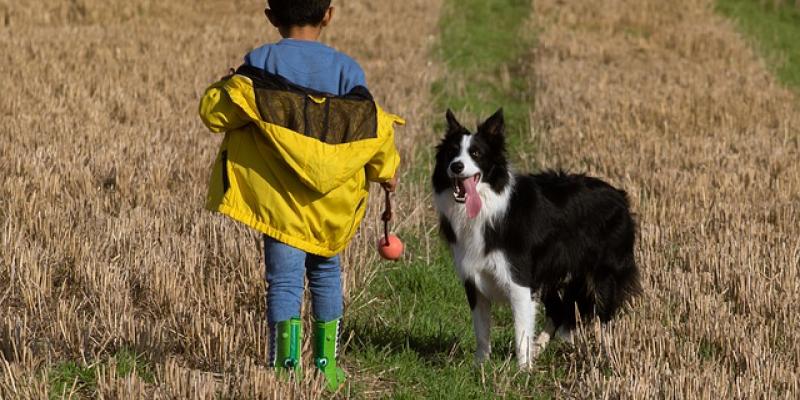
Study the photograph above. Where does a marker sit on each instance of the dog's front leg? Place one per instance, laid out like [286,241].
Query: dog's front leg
[481,321]
[523,307]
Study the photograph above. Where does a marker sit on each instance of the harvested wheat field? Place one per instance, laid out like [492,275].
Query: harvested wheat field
[109,263]
[106,248]
[666,100]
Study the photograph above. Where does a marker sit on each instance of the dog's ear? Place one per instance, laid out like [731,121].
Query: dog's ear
[494,125]
[452,123]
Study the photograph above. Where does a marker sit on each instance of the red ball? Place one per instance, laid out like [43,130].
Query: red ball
[391,251]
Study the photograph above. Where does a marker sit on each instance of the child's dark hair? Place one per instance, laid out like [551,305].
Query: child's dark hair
[299,12]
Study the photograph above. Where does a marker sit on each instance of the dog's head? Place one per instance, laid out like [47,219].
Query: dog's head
[468,163]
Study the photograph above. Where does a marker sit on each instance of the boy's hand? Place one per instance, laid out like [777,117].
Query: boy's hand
[390,186]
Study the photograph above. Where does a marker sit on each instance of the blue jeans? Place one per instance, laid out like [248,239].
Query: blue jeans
[286,268]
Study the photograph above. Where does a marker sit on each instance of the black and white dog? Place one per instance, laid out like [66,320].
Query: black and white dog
[565,240]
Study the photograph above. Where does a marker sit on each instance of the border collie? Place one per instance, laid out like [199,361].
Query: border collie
[560,239]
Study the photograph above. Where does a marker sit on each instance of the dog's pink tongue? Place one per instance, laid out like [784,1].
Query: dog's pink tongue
[473,200]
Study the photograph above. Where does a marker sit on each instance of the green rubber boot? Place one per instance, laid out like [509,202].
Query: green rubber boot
[326,337]
[287,346]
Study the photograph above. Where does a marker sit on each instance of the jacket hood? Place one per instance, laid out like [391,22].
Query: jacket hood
[323,139]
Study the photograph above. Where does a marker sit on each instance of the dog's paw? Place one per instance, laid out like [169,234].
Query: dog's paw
[540,343]
[482,356]
[565,335]
[525,365]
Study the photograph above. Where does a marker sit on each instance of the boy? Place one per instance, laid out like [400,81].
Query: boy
[303,139]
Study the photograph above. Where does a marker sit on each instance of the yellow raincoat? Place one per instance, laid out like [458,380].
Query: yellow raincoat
[296,165]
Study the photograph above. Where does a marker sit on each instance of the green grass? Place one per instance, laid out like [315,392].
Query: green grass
[419,334]
[416,332]
[70,376]
[776,30]
[485,46]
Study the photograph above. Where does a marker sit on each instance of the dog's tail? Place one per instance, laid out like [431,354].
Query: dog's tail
[612,291]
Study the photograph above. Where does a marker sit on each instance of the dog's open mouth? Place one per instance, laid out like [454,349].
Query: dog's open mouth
[460,186]
[465,192]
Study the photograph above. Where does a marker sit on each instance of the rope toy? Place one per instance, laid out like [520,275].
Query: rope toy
[389,246]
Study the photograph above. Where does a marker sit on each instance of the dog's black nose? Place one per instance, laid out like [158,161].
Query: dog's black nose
[457,167]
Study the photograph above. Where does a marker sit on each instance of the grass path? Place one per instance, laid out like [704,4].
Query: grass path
[775,30]
[415,332]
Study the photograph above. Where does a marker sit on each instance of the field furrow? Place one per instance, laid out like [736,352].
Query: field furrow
[107,254]
[666,100]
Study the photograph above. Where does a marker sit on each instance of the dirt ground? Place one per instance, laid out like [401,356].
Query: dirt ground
[104,164]
[667,101]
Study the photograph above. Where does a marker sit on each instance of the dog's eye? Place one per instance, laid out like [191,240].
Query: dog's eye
[475,153]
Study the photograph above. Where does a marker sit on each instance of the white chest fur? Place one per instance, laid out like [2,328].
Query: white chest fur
[491,273]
